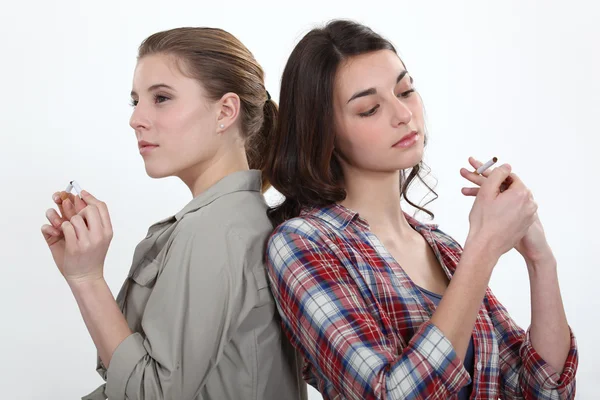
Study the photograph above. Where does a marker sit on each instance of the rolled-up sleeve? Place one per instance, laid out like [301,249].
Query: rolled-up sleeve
[185,322]
[539,374]
[128,354]
[524,373]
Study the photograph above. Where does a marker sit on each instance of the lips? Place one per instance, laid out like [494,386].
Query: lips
[146,146]
[143,143]
[407,140]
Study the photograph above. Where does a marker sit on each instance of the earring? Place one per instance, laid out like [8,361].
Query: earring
[222,126]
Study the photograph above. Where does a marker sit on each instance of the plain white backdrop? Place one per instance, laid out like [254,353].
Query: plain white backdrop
[512,79]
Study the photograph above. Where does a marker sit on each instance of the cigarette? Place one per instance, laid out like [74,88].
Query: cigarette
[485,166]
[74,185]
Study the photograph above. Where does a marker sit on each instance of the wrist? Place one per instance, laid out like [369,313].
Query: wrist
[480,251]
[482,245]
[546,262]
[543,257]
[85,283]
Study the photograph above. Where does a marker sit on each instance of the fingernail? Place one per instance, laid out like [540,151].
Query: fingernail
[55,197]
[84,193]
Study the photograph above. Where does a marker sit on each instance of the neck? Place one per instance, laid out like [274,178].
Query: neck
[376,197]
[202,176]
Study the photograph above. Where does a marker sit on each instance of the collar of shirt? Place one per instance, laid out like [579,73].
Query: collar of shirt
[339,217]
[248,180]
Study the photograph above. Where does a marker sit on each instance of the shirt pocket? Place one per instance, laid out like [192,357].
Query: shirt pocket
[146,274]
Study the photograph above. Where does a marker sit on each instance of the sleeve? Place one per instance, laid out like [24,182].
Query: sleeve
[524,374]
[325,317]
[186,322]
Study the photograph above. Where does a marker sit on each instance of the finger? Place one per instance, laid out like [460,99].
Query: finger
[476,164]
[68,209]
[91,216]
[491,186]
[102,208]
[58,199]
[79,204]
[470,191]
[51,232]
[54,218]
[81,230]
[472,176]
[70,235]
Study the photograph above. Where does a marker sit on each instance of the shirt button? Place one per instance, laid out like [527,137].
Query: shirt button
[479,366]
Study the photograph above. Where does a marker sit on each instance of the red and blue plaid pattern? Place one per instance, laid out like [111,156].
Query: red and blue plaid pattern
[364,328]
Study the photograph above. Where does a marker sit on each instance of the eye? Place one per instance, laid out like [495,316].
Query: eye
[370,112]
[160,99]
[133,103]
[407,93]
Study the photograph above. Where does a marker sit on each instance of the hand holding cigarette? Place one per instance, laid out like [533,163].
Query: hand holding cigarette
[79,238]
[68,205]
[483,169]
[500,218]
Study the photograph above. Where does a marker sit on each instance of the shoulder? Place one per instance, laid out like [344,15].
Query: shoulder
[239,216]
[300,228]
[298,243]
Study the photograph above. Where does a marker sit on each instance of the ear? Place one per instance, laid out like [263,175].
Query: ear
[229,109]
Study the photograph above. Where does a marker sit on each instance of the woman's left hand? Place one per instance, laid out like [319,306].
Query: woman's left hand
[87,237]
[533,246]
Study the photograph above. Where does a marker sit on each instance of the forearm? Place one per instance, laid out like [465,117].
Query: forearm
[456,314]
[549,333]
[102,316]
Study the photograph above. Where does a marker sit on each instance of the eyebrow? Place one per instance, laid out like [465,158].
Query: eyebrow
[372,91]
[154,87]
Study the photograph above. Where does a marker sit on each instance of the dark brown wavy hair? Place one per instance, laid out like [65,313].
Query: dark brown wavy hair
[222,64]
[301,163]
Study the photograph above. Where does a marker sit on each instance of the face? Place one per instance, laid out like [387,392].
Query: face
[175,124]
[378,115]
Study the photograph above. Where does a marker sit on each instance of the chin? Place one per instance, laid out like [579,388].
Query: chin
[411,159]
[157,172]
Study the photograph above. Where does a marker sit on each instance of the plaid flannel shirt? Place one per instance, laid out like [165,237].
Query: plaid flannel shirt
[364,328]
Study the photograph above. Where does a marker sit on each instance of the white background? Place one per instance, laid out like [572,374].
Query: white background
[513,79]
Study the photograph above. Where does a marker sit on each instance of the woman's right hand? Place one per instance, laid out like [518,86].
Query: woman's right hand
[500,218]
[68,205]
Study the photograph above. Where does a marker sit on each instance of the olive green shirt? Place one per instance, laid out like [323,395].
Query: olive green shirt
[198,301]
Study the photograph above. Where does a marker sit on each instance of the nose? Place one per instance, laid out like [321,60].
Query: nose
[139,119]
[402,113]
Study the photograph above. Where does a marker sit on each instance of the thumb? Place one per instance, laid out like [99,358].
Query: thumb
[491,186]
